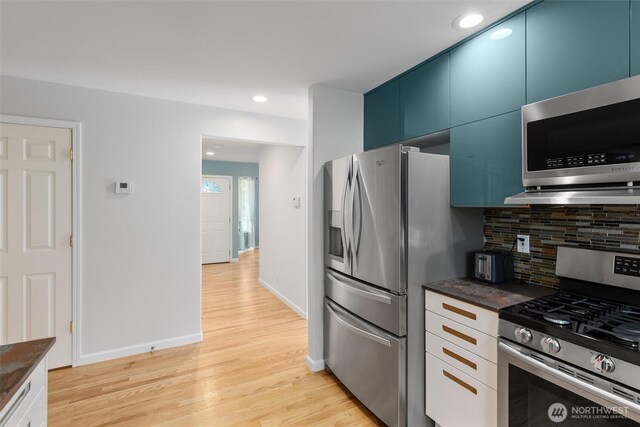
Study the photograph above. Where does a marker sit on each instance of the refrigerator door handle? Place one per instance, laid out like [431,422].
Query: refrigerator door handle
[343,232]
[358,184]
[362,333]
[352,195]
[380,298]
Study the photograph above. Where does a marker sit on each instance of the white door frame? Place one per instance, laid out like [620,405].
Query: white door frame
[76,216]
[230,178]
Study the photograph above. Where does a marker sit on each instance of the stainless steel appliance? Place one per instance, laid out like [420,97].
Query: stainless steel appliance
[493,266]
[389,230]
[583,147]
[574,357]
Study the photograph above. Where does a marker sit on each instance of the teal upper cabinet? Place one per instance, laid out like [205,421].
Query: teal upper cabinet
[572,45]
[424,98]
[382,116]
[635,37]
[485,161]
[488,73]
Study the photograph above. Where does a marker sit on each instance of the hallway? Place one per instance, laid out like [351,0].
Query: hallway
[249,370]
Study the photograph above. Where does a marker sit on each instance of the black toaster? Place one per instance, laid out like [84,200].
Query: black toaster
[493,266]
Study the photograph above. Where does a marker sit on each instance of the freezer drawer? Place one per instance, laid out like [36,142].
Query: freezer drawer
[377,306]
[371,363]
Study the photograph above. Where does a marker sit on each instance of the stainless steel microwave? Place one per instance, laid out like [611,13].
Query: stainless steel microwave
[586,137]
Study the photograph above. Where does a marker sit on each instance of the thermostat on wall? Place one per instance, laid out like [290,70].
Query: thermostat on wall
[123,187]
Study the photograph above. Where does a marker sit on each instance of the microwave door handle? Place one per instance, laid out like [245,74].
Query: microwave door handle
[569,379]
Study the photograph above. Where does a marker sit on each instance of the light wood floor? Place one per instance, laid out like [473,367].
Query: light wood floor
[249,370]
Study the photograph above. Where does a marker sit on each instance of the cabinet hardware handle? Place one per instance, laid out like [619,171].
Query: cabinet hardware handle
[16,404]
[459,382]
[459,311]
[460,359]
[460,335]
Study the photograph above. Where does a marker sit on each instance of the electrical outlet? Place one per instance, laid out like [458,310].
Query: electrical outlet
[523,243]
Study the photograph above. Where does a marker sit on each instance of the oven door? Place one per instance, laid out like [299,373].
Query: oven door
[532,392]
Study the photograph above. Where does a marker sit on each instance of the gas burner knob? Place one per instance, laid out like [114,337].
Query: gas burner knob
[550,345]
[523,335]
[603,364]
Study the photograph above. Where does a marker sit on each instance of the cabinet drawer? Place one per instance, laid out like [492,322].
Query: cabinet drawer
[467,362]
[462,312]
[453,398]
[468,338]
[19,406]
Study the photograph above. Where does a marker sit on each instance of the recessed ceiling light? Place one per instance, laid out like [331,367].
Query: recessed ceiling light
[500,34]
[467,20]
[260,98]
[209,153]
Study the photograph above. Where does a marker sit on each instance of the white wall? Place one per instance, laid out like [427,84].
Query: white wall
[282,226]
[140,252]
[336,123]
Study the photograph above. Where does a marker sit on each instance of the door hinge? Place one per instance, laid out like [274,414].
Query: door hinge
[71,241]
[70,153]
[71,327]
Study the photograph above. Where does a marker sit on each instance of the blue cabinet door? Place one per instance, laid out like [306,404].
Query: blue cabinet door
[488,73]
[635,37]
[424,98]
[486,161]
[572,45]
[382,116]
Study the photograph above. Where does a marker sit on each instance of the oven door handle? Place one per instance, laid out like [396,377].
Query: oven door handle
[569,379]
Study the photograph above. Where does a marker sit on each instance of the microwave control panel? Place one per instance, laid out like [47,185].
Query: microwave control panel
[595,159]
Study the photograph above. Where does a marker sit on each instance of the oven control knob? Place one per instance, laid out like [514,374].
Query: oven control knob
[523,335]
[602,363]
[550,345]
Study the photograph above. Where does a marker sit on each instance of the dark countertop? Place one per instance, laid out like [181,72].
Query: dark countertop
[492,296]
[17,361]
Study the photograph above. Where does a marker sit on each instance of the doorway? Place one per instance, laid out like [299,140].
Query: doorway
[216,218]
[36,229]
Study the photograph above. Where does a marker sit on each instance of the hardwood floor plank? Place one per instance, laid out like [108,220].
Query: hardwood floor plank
[249,370]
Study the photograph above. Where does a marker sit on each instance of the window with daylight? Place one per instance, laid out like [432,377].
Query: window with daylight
[246,212]
[210,187]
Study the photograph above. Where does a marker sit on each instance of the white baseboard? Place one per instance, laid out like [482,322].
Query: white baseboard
[244,251]
[101,356]
[315,365]
[284,299]
[233,260]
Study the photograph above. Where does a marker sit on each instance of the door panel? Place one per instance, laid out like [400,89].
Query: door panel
[337,188]
[376,222]
[35,230]
[216,219]
[368,361]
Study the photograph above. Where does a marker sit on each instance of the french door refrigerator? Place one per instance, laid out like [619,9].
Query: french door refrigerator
[389,229]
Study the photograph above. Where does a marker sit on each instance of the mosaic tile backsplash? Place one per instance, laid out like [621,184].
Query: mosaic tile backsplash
[609,227]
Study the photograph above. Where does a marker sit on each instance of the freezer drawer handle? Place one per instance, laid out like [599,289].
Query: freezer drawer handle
[365,334]
[459,311]
[459,382]
[460,335]
[459,358]
[380,298]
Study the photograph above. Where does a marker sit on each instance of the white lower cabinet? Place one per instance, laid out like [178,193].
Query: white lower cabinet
[454,399]
[461,355]
[28,407]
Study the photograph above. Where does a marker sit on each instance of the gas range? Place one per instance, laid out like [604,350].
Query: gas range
[585,338]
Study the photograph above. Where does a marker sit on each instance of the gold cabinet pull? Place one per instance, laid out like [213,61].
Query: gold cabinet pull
[459,311]
[459,382]
[460,335]
[460,359]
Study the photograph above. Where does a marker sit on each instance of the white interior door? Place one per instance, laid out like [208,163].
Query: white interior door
[35,231]
[216,219]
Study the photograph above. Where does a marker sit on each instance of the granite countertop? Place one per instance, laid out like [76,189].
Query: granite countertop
[17,361]
[492,296]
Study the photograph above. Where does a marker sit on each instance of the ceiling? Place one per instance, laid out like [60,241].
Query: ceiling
[230,150]
[220,53]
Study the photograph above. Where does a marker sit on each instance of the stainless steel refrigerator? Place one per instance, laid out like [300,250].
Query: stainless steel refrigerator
[389,229]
